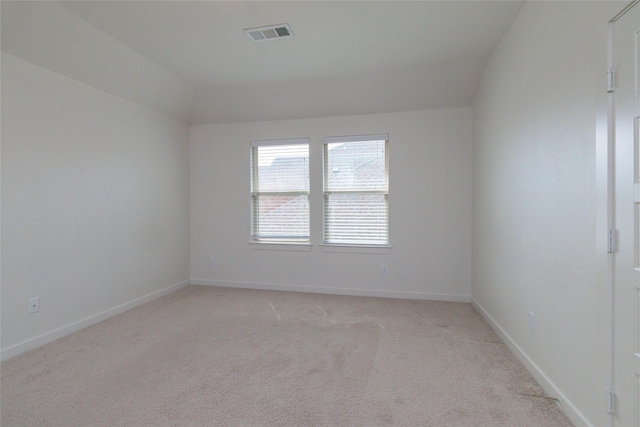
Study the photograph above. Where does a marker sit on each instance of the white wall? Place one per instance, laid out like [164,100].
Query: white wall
[535,199]
[95,204]
[47,34]
[439,86]
[430,208]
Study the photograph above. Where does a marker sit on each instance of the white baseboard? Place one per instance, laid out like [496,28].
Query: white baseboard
[33,343]
[333,291]
[570,410]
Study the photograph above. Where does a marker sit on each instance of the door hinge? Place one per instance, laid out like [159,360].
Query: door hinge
[611,80]
[612,245]
[611,401]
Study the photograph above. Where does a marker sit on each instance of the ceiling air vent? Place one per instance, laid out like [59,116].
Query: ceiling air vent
[272,32]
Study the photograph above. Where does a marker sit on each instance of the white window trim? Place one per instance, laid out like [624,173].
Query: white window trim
[355,138]
[276,244]
[355,247]
[267,142]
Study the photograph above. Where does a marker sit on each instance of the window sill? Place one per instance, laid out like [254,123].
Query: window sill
[273,246]
[357,249]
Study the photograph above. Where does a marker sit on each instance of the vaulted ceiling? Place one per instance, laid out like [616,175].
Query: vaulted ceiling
[345,57]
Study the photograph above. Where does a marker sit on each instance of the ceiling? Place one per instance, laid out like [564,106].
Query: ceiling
[336,43]
[203,42]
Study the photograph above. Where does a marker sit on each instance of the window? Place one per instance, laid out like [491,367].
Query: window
[280,190]
[356,190]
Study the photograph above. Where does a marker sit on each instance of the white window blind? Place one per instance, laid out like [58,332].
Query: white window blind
[280,190]
[356,190]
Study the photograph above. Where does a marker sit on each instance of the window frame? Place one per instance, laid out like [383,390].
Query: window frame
[328,244]
[284,241]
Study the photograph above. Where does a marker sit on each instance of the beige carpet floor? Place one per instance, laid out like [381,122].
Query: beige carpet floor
[206,356]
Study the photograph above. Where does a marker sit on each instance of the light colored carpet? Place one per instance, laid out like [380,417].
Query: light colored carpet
[207,356]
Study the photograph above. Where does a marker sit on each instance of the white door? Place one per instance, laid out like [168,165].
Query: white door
[626,348]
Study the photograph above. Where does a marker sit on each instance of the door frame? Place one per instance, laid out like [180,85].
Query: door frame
[605,200]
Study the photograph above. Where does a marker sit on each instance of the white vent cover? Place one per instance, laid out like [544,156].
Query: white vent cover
[272,32]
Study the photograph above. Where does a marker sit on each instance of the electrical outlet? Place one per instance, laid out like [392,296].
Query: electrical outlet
[34,305]
[212,261]
[532,321]
[384,269]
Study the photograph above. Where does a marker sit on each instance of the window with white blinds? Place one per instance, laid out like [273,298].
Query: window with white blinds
[280,190]
[356,190]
